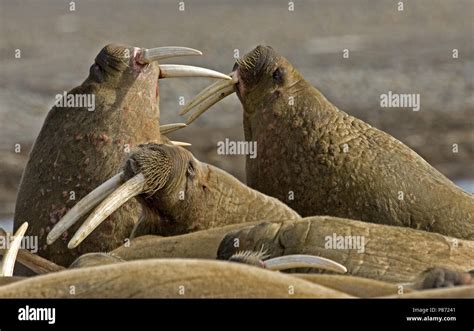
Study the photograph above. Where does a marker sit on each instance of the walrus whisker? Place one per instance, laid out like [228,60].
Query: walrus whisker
[115,200]
[180,143]
[209,91]
[210,101]
[168,128]
[181,70]
[84,206]
[303,261]
[160,53]
[250,60]
[8,261]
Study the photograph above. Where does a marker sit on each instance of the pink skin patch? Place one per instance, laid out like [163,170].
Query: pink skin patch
[138,67]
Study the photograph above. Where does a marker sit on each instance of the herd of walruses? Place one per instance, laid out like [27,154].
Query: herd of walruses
[120,210]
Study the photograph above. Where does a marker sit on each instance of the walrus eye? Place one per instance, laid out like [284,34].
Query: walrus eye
[191,170]
[97,72]
[278,75]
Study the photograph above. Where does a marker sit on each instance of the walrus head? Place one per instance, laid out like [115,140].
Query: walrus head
[121,66]
[258,79]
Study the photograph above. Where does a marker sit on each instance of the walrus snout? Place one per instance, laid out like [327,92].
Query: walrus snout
[115,58]
[253,64]
[157,162]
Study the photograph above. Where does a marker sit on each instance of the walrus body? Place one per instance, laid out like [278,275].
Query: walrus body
[179,194]
[81,146]
[167,278]
[196,245]
[392,260]
[380,252]
[336,164]
[322,161]
[78,149]
[356,286]
[196,195]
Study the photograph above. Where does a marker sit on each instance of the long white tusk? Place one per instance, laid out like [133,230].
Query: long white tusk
[209,91]
[168,128]
[209,102]
[181,70]
[84,206]
[303,261]
[160,53]
[132,187]
[8,262]
[180,143]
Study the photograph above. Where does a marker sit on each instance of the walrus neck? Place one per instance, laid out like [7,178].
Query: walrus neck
[307,118]
[284,110]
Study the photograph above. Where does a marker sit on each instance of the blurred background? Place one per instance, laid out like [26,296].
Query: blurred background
[407,51]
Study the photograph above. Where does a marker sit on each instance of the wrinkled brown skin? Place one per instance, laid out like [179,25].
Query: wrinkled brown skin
[212,197]
[301,150]
[440,293]
[162,278]
[95,259]
[196,245]
[10,280]
[77,150]
[393,254]
[356,286]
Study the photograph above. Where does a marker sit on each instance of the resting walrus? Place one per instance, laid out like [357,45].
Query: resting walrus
[380,252]
[167,278]
[178,193]
[322,161]
[81,145]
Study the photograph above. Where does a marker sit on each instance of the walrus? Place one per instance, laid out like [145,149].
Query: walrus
[380,252]
[179,194]
[321,161]
[81,145]
[356,286]
[204,244]
[167,278]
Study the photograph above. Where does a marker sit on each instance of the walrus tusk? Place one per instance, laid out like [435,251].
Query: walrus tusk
[180,143]
[181,70]
[209,91]
[125,192]
[84,206]
[208,97]
[8,261]
[168,128]
[303,261]
[160,53]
